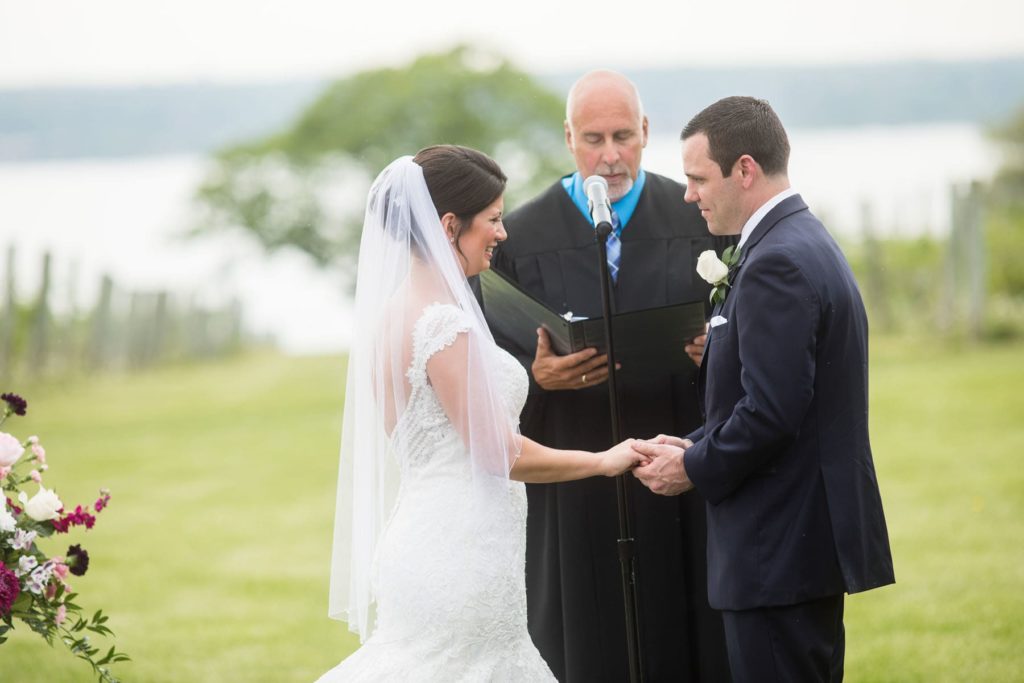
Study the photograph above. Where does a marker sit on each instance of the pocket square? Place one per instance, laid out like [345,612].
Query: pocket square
[718,320]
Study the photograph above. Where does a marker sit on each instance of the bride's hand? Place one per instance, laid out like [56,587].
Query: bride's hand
[621,458]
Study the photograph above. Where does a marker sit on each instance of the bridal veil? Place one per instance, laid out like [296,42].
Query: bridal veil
[406,264]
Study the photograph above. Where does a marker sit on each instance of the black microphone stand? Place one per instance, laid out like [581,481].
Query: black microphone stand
[627,547]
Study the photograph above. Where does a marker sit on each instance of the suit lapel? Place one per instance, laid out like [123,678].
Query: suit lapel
[786,207]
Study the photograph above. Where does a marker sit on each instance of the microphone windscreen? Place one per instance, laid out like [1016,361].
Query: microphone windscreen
[601,187]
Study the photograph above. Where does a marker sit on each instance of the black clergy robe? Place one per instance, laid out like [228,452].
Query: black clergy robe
[573,577]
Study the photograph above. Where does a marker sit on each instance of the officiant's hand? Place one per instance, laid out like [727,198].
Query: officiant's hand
[573,371]
[695,349]
[666,473]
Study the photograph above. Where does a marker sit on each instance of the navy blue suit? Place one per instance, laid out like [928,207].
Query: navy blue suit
[783,459]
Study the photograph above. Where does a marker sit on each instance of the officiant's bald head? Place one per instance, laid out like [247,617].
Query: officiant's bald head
[606,129]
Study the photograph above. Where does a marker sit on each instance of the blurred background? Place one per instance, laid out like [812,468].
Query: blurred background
[181,190]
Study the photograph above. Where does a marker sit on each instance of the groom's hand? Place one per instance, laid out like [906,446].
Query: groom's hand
[666,473]
[573,371]
[695,349]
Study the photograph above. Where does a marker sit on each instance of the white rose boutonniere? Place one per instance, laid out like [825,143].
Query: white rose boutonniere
[716,271]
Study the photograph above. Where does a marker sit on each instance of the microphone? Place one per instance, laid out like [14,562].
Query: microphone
[596,189]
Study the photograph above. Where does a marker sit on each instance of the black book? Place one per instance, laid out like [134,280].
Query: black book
[651,339]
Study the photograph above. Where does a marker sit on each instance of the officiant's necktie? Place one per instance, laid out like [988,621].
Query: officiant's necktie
[614,246]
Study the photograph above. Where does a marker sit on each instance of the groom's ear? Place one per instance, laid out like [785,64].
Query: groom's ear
[748,170]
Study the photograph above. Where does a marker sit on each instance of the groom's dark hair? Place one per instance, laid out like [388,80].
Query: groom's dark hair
[738,125]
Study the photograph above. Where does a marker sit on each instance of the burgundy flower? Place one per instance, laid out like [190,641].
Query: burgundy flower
[80,517]
[15,404]
[9,589]
[77,560]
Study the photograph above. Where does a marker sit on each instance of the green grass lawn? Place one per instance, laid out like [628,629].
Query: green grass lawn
[212,560]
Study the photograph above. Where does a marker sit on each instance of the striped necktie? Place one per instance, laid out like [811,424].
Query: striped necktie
[614,249]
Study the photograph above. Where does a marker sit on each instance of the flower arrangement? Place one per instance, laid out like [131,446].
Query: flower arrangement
[35,587]
[717,272]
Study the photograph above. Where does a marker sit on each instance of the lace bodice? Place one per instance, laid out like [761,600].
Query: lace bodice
[424,436]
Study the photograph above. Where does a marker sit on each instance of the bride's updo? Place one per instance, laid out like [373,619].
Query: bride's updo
[461,181]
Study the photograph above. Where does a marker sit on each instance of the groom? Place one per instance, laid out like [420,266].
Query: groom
[783,459]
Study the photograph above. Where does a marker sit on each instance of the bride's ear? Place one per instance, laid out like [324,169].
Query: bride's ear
[450,224]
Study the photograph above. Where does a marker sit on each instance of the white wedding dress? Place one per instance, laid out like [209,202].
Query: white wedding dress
[449,583]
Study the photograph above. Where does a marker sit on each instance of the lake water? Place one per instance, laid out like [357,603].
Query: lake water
[124,217]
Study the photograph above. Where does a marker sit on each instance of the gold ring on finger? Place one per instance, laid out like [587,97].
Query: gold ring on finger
[584,378]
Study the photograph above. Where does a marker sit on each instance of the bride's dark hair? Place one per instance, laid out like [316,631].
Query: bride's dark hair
[461,180]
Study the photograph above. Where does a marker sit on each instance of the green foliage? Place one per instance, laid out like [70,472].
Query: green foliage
[304,187]
[1004,233]
[1005,216]
[904,289]
[1010,134]
[1004,236]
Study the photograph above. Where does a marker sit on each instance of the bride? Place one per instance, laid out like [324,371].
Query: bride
[428,562]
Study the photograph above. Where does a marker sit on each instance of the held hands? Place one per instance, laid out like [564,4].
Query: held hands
[620,458]
[665,474]
[573,371]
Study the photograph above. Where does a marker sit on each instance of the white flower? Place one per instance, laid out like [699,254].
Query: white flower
[36,583]
[6,518]
[22,539]
[41,576]
[711,268]
[10,449]
[26,563]
[42,506]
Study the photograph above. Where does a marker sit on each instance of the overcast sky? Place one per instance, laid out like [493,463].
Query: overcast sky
[58,42]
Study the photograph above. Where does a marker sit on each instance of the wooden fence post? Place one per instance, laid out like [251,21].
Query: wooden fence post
[101,342]
[975,258]
[949,309]
[10,320]
[39,345]
[874,271]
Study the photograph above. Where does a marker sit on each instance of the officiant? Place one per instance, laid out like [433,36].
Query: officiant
[574,585]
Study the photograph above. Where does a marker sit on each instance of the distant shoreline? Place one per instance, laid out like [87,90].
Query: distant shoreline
[144,121]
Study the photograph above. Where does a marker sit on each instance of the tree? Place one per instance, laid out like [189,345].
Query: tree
[305,187]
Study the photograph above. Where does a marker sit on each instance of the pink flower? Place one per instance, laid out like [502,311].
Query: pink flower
[32,440]
[59,568]
[36,477]
[62,614]
[39,452]
[10,450]
[4,471]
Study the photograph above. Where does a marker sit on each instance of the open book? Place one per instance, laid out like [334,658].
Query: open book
[652,339]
